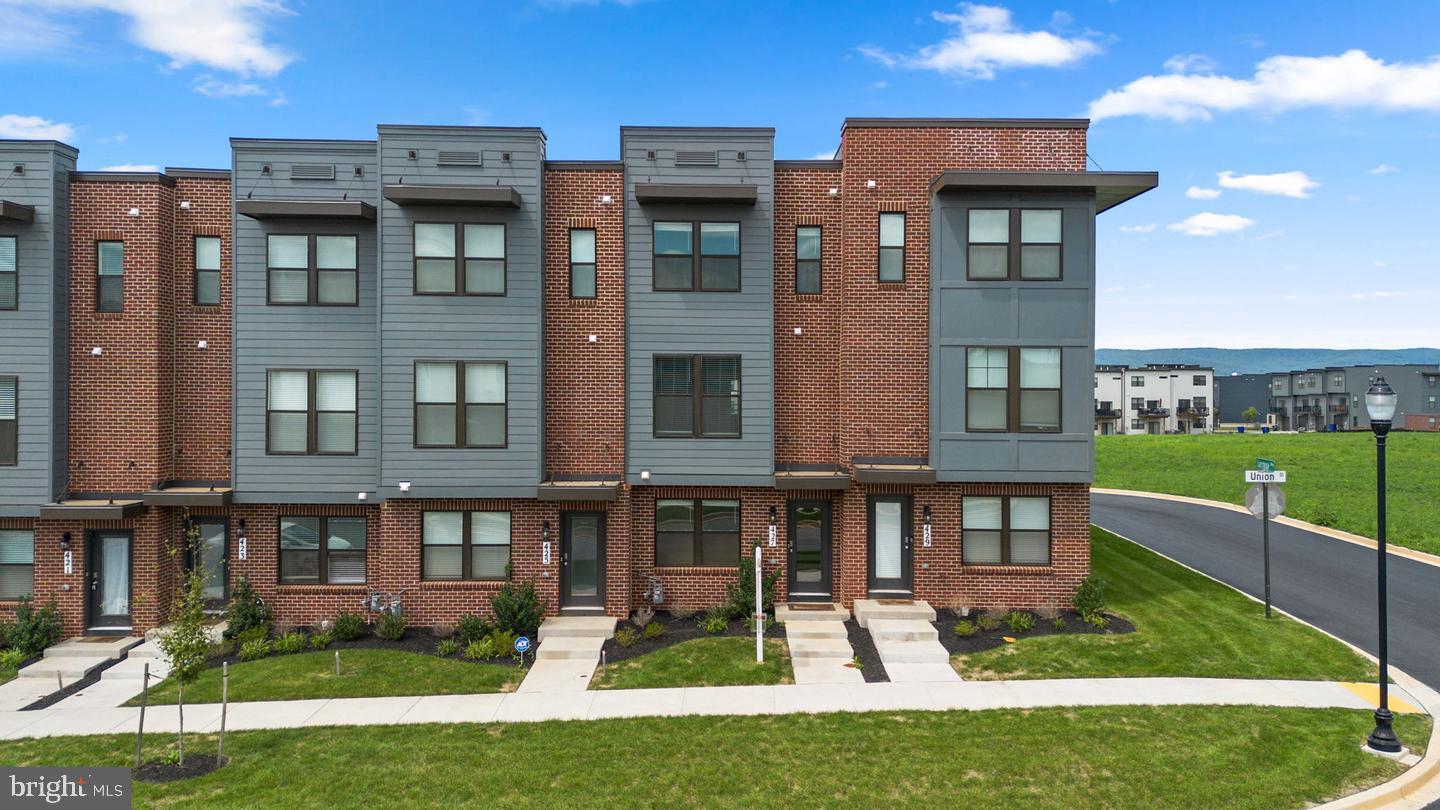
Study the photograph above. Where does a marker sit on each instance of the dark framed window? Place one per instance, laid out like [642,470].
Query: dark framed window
[680,267]
[460,404]
[9,273]
[1201,403]
[582,262]
[207,270]
[1010,389]
[311,270]
[807,260]
[17,563]
[1137,403]
[891,259]
[697,532]
[1137,382]
[109,276]
[322,550]
[9,421]
[465,545]
[459,258]
[1005,530]
[1199,379]
[311,412]
[1006,244]
[697,396]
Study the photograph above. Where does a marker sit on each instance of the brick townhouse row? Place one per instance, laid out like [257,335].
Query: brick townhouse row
[434,360]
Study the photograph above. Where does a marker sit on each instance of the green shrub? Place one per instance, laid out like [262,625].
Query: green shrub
[471,628]
[740,596]
[1097,620]
[254,649]
[348,627]
[481,649]
[246,610]
[319,641]
[1059,623]
[6,630]
[390,627]
[715,620]
[292,642]
[447,647]
[964,629]
[261,633]
[504,640]
[627,636]
[12,659]
[1090,597]
[986,622]
[653,629]
[517,608]
[34,630]
[642,616]
[1020,621]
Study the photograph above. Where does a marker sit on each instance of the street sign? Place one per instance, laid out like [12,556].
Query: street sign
[1254,502]
[1264,465]
[522,644]
[1263,477]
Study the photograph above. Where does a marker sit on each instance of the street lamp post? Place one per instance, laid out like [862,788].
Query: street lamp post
[1380,406]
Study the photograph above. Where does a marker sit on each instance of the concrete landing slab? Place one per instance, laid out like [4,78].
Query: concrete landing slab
[585,648]
[902,630]
[577,627]
[819,613]
[921,673]
[911,652]
[826,671]
[911,609]
[102,647]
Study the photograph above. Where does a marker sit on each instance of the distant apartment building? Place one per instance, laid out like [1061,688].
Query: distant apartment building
[1236,393]
[1155,398]
[1319,398]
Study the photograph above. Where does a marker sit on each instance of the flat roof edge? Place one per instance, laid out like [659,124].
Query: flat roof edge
[59,145]
[382,128]
[121,177]
[585,165]
[197,174]
[809,164]
[967,123]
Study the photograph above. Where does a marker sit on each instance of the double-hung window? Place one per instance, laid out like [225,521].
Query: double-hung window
[311,412]
[582,262]
[1005,530]
[1009,389]
[207,270]
[9,273]
[1137,382]
[109,276]
[9,421]
[465,545]
[1010,244]
[1199,379]
[714,267]
[891,258]
[311,270]
[697,396]
[459,258]
[697,532]
[807,260]
[460,404]
[322,550]
[17,563]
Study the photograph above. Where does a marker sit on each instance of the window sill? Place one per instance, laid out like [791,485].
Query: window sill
[318,588]
[461,584]
[695,570]
[1009,570]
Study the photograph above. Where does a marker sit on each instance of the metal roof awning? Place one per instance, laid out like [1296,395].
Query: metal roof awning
[93,509]
[484,196]
[306,209]
[189,495]
[592,490]
[876,472]
[820,479]
[729,193]
[1111,188]
[16,212]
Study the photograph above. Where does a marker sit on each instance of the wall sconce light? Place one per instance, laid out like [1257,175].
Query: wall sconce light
[772,517]
[834,192]
[184,205]
[869,184]
[545,532]
[134,212]
[202,344]
[241,534]
[594,338]
[606,199]
[404,486]
[97,351]
[65,541]
[644,475]
[265,170]
[361,495]
[926,513]
[799,330]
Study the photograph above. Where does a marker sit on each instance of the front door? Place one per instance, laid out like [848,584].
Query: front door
[809,551]
[889,545]
[211,552]
[582,559]
[108,603]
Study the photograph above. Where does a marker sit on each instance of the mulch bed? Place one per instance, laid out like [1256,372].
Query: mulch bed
[415,640]
[676,631]
[864,646]
[945,621]
[70,688]
[195,765]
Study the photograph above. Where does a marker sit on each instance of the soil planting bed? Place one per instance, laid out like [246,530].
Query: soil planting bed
[945,621]
[415,640]
[195,765]
[676,631]
[864,646]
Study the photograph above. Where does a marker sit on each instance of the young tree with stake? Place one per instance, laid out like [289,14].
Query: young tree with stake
[185,643]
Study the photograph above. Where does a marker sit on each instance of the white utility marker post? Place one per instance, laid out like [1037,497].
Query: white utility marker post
[759,613]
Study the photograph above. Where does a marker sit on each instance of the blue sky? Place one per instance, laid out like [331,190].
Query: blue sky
[1323,114]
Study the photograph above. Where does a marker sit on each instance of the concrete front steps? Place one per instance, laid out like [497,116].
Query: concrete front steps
[905,636]
[126,679]
[568,652]
[820,650]
[78,657]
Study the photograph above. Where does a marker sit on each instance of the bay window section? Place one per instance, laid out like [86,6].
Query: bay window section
[679,267]
[697,533]
[465,545]
[1009,244]
[1005,530]
[311,270]
[322,550]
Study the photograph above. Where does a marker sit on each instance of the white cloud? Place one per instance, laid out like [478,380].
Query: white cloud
[985,40]
[211,87]
[1351,80]
[1148,227]
[828,154]
[132,167]
[1208,224]
[119,137]
[1379,295]
[29,31]
[278,100]
[33,127]
[1190,63]
[1285,184]
[1384,168]
[1198,193]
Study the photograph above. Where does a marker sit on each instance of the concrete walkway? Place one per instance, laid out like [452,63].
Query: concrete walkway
[518,707]
[820,650]
[907,640]
[568,653]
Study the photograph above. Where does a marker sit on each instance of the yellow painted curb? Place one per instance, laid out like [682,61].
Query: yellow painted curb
[1370,693]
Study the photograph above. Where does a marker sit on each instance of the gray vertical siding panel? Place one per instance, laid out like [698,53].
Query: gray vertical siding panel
[60,331]
[476,328]
[701,322]
[270,337]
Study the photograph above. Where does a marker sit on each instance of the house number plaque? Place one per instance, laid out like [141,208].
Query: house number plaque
[69,562]
[545,553]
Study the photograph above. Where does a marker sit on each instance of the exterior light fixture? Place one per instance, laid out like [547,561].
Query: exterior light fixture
[1380,401]
[869,184]
[926,513]
[799,330]
[184,205]
[606,199]
[772,517]
[65,541]
[134,212]
[404,486]
[360,495]
[594,338]
[545,531]
[834,192]
[241,534]
[97,351]
[202,344]
[644,475]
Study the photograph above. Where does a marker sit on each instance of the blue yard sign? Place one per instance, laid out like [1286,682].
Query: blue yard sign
[522,644]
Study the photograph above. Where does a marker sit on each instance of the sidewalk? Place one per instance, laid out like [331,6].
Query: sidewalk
[519,707]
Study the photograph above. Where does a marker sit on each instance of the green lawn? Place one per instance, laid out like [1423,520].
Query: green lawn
[728,661]
[1331,475]
[1185,625]
[7,674]
[363,673]
[1201,757]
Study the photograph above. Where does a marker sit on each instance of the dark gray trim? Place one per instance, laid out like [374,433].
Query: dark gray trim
[558,492]
[180,172]
[122,177]
[59,145]
[112,511]
[700,130]
[883,474]
[164,497]
[306,209]
[492,196]
[584,165]
[971,123]
[16,212]
[735,193]
[802,482]
[809,164]
[340,142]
[460,129]
[919,460]
[1111,188]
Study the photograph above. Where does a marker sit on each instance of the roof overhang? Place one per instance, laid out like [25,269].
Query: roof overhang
[725,193]
[900,473]
[484,196]
[93,509]
[16,212]
[827,478]
[189,495]
[306,209]
[1111,188]
[593,490]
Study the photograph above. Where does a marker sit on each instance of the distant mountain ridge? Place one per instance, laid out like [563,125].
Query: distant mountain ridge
[1259,361]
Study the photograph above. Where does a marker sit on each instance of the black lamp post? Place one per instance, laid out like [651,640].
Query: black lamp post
[1380,406]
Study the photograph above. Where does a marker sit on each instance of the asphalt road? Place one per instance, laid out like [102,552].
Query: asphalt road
[1329,583]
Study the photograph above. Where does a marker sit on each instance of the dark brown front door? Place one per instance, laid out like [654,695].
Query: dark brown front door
[109,565]
[808,560]
[582,559]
